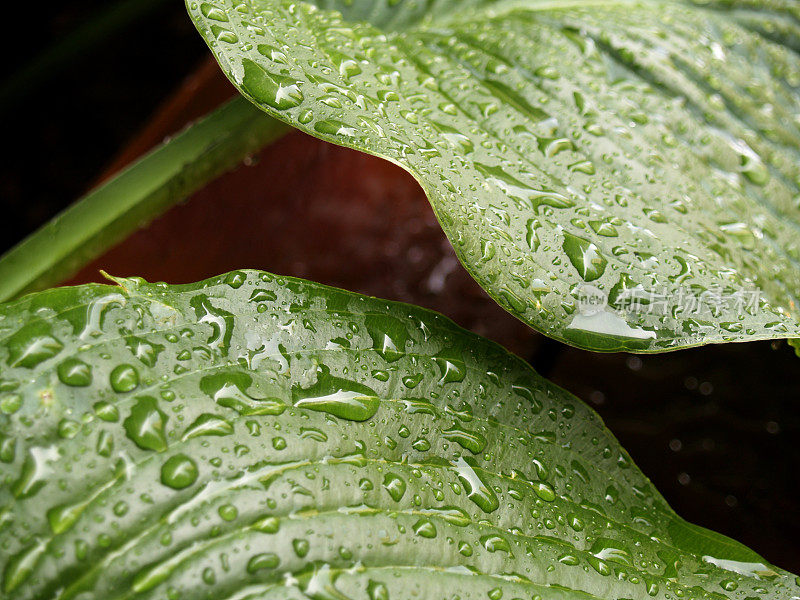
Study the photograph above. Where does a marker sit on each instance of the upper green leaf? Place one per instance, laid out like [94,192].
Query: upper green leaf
[254,437]
[645,153]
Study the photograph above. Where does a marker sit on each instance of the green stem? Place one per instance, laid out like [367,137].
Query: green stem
[133,198]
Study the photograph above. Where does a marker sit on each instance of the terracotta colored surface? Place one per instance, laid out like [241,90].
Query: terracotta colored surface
[308,209]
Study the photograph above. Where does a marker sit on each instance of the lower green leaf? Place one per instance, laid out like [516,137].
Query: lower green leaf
[255,437]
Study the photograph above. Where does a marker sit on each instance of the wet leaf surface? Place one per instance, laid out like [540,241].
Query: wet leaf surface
[638,148]
[216,440]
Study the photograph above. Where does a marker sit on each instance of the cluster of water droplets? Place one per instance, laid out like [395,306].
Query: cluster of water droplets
[656,142]
[257,436]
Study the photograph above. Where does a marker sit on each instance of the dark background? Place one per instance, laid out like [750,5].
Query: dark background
[717,429]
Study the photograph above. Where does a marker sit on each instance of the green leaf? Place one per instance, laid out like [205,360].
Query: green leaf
[259,441]
[643,153]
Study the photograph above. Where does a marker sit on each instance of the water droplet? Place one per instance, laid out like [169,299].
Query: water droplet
[32,344]
[228,512]
[179,472]
[68,429]
[35,471]
[611,550]
[277,91]
[269,525]
[230,389]
[105,444]
[221,322]
[339,397]
[207,424]
[469,440]
[212,12]
[477,491]
[585,257]
[106,411]
[425,528]
[395,485]
[495,543]
[144,350]
[729,585]
[301,547]
[451,366]
[75,373]
[124,378]
[260,562]
[208,576]
[10,404]
[8,448]
[20,567]
[236,279]
[377,591]
[145,425]
[389,336]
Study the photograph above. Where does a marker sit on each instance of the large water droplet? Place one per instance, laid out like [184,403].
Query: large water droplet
[585,257]
[389,336]
[261,562]
[32,344]
[395,485]
[221,322]
[477,491]
[179,472]
[469,440]
[277,91]
[75,373]
[339,397]
[146,425]
[230,389]
[207,424]
[124,378]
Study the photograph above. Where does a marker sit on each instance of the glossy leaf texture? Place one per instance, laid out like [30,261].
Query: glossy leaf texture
[254,437]
[644,152]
